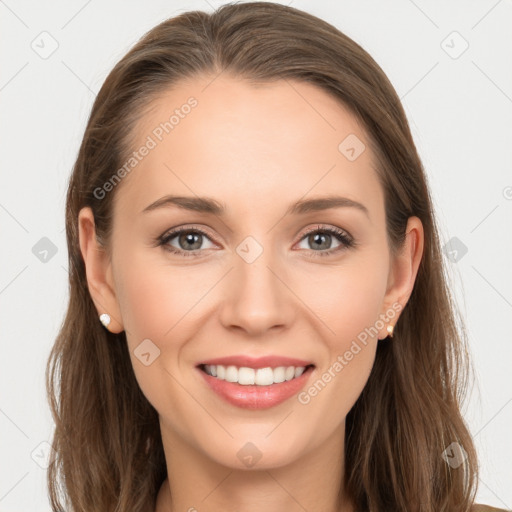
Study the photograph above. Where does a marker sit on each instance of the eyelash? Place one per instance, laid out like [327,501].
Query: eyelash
[346,241]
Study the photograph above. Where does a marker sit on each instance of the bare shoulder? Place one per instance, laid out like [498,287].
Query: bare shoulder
[486,508]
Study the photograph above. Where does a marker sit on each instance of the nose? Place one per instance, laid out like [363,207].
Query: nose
[257,296]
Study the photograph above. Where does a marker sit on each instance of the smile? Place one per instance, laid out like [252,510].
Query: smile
[251,376]
[255,383]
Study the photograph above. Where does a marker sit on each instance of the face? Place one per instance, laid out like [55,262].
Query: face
[262,276]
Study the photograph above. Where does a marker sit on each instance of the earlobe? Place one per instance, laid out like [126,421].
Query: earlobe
[404,269]
[98,272]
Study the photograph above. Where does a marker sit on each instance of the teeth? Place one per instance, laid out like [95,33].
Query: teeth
[246,376]
[249,376]
[264,376]
[299,371]
[279,374]
[289,374]
[231,374]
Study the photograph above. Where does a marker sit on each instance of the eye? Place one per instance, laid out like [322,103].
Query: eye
[185,241]
[321,239]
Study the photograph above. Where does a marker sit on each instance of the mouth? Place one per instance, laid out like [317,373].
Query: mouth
[256,386]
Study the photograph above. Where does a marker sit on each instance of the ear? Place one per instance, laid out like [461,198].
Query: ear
[98,271]
[403,271]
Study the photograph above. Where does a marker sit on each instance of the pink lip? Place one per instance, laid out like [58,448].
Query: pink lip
[257,397]
[257,362]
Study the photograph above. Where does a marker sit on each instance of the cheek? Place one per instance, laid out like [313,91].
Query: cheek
[347,298]
[161,303]
[155,296]
[149,307]
[349,302]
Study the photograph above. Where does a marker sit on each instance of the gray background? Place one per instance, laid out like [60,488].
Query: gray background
[458,101]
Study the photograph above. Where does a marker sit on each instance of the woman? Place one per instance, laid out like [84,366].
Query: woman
[302,352]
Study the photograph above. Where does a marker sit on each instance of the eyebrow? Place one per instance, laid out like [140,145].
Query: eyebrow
[209,205]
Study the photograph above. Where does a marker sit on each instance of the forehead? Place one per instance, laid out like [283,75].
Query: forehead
[248,144]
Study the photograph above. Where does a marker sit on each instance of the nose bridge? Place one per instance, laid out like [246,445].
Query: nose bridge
[256,299]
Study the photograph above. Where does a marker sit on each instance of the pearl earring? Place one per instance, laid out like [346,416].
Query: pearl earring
[105,319]
[390,328]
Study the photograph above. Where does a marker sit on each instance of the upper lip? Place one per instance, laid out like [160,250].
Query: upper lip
[256,362]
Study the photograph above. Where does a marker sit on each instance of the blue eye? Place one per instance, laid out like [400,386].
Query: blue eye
[190,241]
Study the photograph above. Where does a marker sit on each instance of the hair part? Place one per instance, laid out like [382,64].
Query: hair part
[109,453]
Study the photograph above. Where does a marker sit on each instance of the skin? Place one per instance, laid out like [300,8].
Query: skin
[255,149]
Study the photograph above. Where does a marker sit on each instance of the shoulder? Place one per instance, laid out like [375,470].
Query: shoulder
[486,508]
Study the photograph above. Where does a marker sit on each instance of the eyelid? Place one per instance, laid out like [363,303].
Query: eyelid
[328,228]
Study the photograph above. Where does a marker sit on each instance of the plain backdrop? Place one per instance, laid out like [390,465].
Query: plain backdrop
[450,64]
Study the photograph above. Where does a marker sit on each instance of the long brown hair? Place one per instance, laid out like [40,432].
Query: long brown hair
[108,449]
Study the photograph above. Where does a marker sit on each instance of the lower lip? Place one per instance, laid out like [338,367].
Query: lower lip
[256,397]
